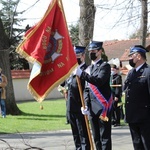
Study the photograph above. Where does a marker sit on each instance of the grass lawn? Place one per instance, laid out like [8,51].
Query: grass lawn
[33,119]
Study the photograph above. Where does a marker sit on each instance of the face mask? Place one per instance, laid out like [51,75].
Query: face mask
[93,56]
[79,61]
[112,72]
[132,64]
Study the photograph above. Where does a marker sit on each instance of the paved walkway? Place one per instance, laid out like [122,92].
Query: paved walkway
[60,140]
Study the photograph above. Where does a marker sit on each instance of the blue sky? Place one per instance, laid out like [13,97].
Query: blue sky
[106,26]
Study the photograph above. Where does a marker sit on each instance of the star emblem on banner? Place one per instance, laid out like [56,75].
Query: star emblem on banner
[54,47]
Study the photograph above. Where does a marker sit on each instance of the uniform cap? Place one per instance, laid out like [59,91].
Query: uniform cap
[79,49]
[137,49]
[95,45]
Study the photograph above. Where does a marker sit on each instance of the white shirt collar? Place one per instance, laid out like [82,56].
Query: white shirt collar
[81,64]
[139,67]
[95,62]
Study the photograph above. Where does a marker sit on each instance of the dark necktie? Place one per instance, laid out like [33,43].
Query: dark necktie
[92,68]
[133,74]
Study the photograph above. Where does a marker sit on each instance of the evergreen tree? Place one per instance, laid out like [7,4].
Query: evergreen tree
[74,32]
[11,23]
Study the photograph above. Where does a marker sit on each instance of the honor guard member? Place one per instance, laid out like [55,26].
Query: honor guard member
[97,96]
[137,98]
[75,116]
[116,86]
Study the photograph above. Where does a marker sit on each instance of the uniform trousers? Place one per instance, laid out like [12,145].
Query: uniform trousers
[140,133]
[116,113]
[79,131]
[101,132]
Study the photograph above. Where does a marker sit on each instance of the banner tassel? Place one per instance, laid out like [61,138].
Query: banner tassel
[41,107]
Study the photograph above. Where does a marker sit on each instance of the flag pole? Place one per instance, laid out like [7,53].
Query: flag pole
[85,116]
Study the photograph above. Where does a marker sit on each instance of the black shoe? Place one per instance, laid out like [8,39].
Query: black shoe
[115,125]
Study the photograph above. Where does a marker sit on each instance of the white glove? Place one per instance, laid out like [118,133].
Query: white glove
[78,71]
[85,110]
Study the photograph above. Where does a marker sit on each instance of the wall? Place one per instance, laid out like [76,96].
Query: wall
[20,81]
[148,57]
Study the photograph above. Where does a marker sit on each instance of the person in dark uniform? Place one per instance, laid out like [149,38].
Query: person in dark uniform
[98,96]
[137,98]
[116,86]
[75,116]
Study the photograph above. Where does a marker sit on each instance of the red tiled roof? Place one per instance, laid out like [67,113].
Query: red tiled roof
[125,57]
[115,49]
[19,74]
[120,49]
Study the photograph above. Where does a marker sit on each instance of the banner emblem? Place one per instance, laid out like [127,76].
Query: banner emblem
[54,47]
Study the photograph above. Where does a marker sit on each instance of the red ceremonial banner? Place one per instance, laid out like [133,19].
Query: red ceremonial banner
[48,46]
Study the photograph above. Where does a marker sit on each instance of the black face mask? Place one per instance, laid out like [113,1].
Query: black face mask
[79,61]
[93,56]
[132,64]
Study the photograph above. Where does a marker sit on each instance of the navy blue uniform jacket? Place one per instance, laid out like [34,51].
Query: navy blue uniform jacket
[100,77]
[137,95]
[74,101]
